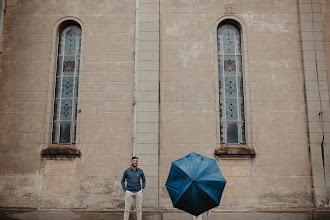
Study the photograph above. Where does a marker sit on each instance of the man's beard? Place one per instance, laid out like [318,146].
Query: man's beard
[134,165]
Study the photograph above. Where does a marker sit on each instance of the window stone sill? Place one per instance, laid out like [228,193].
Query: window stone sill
[60,152]
[234,151]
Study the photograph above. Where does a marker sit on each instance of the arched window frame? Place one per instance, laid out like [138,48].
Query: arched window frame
[231,84]
[66,84]
[60,24]
[245,148]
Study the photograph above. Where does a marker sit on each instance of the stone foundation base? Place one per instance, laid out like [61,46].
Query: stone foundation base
[33,214]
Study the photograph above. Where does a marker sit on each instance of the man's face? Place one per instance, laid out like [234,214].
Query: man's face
[135,162]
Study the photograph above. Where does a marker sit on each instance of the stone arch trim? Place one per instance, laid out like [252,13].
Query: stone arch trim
[233,150]
[51,76]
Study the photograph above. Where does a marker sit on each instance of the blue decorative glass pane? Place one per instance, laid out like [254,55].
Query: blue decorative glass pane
[78,30]
[241,128]
[241,109]
[219,44]
[76,88]
[238,44]
[74,128]
[223,128]
[75,102]
[65,133]
[59,66]
[239,70]
[232,133]
[66,110]
[70,43]
[54,133]
[58,86]
[240,88]
[78,39]
[229,64]
[56,109]
[77,65]
[67,88]
[61,46]
[71,31]
[230,87]
[228,41]
[222,110]
[69,64]
[222,89]
[231,110]
[220,65]
[226,27]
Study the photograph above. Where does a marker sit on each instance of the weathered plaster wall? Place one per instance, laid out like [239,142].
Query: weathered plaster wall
[105,100]
[178,53]
[279,175]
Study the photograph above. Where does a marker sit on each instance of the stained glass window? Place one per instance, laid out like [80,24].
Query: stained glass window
[66,85]
[232,118]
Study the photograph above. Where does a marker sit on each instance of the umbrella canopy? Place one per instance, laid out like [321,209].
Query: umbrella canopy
[195,184]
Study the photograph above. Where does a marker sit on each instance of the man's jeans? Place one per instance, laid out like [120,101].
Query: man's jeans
[128,203]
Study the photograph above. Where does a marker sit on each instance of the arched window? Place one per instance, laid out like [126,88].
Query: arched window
[66,84]
[232,118]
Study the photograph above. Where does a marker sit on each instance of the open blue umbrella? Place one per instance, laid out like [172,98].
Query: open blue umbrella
[195,184]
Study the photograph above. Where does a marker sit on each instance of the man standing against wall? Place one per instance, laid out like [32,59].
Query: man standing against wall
[132,176]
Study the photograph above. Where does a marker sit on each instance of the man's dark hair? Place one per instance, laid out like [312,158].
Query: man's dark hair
[134,158]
